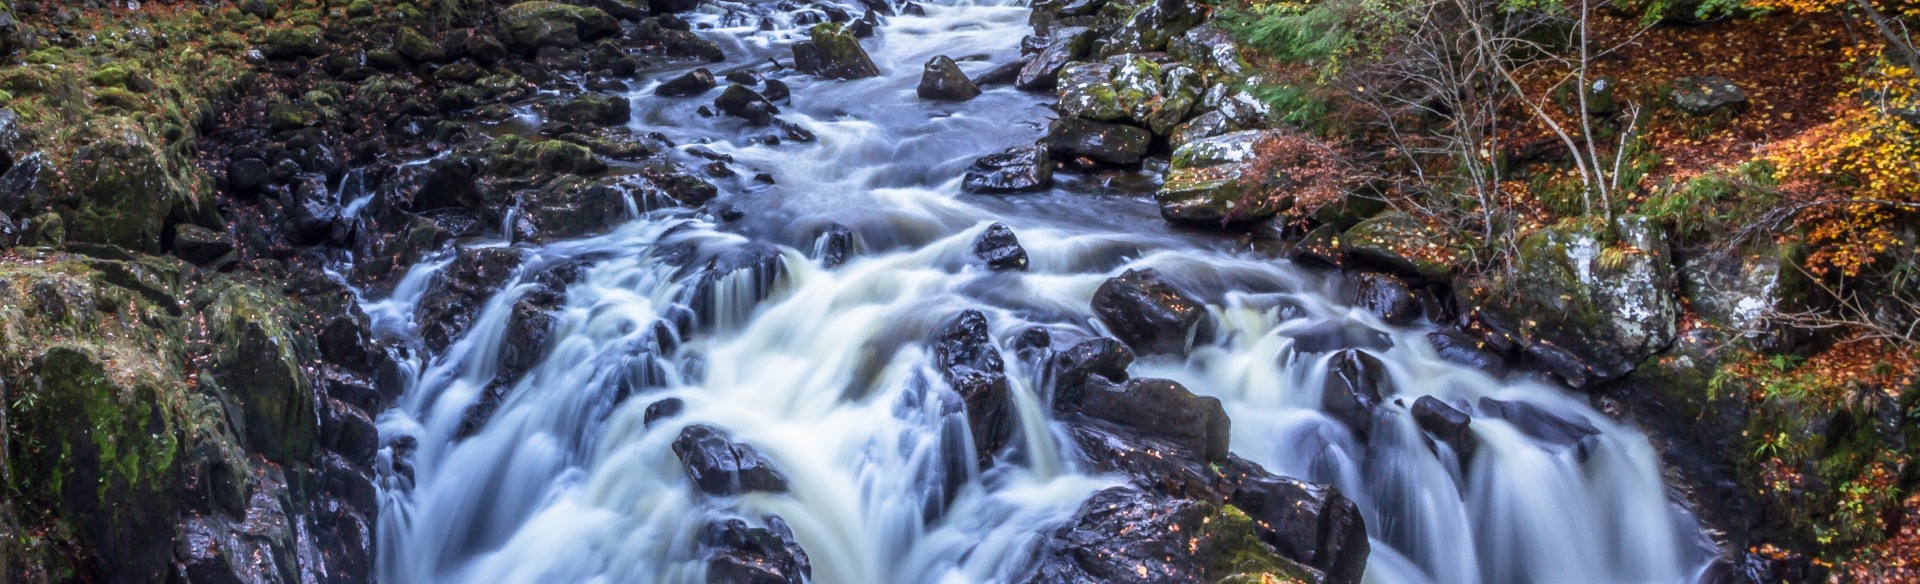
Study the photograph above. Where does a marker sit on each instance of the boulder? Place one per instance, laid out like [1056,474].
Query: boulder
[1160,409]
[1018,169]
[1703,96]
[1564,430]
[1223,180]
[668,35]
[1399,243]
[1071,370]
[294,42]
[942,80]
[1591,303]
[456,293]
[1464,350]
[411,44]
[569,207]
[971,365]
[199,245]
[1124,534]
[834,53]
[1100,142]
[1448,425]
[1740,292]
[1154,26]
[1149,314]
[541,23]
[1134,89]
[258,356]
[1211,48]
[1311,524]
[691,83]
[721,467]
[1000,249]
[1355,384]
[747,104]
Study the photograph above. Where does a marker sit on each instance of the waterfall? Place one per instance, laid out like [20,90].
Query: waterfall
[825,370]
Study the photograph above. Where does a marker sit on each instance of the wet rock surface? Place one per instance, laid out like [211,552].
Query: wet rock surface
[1019,169]
[970,363]
[1000,249]
[1149,314]
[719,466]
[942,80]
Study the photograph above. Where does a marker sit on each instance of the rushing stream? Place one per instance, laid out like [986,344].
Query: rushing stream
[823,369]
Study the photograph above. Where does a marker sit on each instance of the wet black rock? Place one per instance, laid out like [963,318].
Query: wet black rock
[677,182]
[1125,534]
[1003,74]
[691,83]
[719,466]
[834,53]
[1019,169]
[943,80]
[743,554]
[1386,297]
[663,409]
[1464,350]
[1158,408]
[1097,141]
[1000,249]
[571,206]
[1539,422]
[455,294]
[793,131]
[1073,368]
[1149,314]
[1308,523]
[747,104]
[245,176]
[971,365]
[776,90]
[834,245]
[672,37]
[1446,424]
[1335,335]
[1355,383]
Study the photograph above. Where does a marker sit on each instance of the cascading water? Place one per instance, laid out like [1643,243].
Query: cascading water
[825,372]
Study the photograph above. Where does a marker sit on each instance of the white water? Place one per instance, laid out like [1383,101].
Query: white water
[827,377]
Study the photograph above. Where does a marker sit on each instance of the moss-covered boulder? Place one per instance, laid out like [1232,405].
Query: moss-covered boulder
[1399,242]
[592,109]
[1124,534]
[293,42]
[834,53]
[540,23]
[1133,89]
[1070,138]
[411,44]
[258,364]
[119,191]
[95,414]
[1154,25]
[513,156]
[1592,301]
[1223,180]
[1739,293]
[572,206]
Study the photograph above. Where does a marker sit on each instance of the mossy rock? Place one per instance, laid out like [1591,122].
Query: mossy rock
[540,23]
[121,188]
[834,53]
[411,44]
[1217,181]
[294,42]
[1398,242]
[257,358]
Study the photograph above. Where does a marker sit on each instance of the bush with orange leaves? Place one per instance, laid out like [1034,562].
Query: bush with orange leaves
[1293,165]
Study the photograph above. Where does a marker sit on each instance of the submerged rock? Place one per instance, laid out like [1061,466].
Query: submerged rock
[719,466]
[834,53]
[1019,169]
[1448,425]
[1000,249]
[942,80]
[1148,313]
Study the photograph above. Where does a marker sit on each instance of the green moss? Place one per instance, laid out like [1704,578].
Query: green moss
[1234,548]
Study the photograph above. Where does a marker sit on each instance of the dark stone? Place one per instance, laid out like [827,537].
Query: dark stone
[740,102]
[593,109]
[1100,142]
[691,83]
[834,245]
[455,294]
[349,431]
[673,179]
[1124,534]
[1386,297]
[1019,169]
[1702,96]
[1464,350]
[998,247]
[742,554]
[1042,72]
[571,207]
[776,90]
[719,466]
[793,131]
[943,80]
[1149,314]
[971,365]
[1073,368]
[199,245]
[1446,424]
[1308,523]
[1161,409]
[1355,383]
[245,176]
[1003,74]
